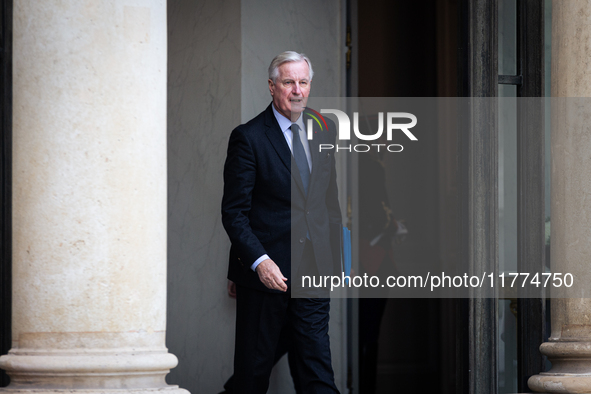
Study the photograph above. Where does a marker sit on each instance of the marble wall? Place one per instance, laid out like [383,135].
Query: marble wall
[218,54]
[270,27]
[203,108]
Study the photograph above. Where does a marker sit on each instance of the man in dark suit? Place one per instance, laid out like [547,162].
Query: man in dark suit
[280,209]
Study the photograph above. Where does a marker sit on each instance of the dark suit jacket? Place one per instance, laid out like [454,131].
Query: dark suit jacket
[264,209]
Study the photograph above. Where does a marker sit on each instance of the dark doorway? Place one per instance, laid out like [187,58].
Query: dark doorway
[409,49]
[5,179]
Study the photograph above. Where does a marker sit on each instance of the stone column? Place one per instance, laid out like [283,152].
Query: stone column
[569,346]
[89,197]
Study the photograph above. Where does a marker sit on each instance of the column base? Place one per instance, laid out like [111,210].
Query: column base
[90,371]
[163,390]
[571,368]
[548,383]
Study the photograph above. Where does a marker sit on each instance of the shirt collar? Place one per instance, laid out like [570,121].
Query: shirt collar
[284,123]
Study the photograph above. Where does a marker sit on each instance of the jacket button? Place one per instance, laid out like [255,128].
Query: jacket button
[302,240]
[307,212]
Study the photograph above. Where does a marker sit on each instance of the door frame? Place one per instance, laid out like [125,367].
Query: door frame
[478,154]
[5,181]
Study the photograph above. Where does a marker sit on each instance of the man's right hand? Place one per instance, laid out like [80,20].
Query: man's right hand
[271,276]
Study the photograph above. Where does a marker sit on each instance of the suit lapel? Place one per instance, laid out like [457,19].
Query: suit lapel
[275,136]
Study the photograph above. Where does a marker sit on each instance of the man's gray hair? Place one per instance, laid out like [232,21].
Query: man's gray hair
[286,57]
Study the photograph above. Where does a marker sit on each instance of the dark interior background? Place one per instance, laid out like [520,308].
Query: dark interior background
[408,49]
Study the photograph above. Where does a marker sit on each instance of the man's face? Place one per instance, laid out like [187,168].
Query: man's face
[291,88]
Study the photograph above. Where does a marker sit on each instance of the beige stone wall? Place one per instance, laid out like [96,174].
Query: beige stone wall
[571,46]
[203,108]
[307,26]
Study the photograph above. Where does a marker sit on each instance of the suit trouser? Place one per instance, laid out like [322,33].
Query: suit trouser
[260,318]
[283,347]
